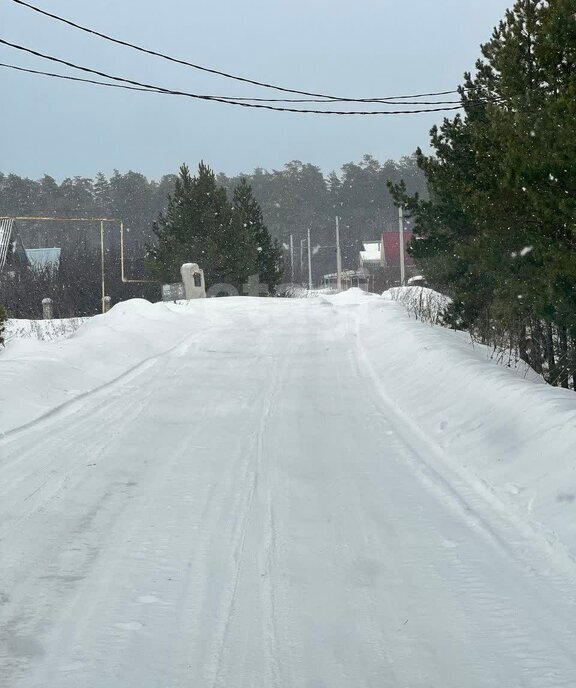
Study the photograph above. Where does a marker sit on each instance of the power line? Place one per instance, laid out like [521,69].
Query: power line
[143,89]
[229,101]
[76,78]
[227,75]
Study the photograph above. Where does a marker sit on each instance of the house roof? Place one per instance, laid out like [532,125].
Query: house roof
[371,252]
[391,242]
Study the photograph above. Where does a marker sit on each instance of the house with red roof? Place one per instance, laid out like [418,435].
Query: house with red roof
[391,249]
[382,259]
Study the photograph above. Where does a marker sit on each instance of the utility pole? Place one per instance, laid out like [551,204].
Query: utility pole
[102,269]
[401,230]
[309,262]
[302,241]
[338,256]
[292,258]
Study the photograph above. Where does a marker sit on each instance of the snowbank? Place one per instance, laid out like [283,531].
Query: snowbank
[353,296]
[428,306]
[41,371]
[512,440]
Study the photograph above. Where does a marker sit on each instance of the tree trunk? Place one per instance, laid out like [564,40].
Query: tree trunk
[563,359]
[550,357]
[572,356]
[522,344]
[537,341]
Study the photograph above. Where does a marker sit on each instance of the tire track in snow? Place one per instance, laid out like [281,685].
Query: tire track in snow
[463,497]
[256,447]
[56,570]
[23,464]
[506,539]
[71,406]
[119,525]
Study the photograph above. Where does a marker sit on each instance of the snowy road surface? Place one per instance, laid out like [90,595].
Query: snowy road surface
[251,509]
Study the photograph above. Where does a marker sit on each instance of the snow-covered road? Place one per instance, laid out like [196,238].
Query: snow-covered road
[252,509]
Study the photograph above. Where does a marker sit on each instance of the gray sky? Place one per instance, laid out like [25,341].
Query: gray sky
[359,48]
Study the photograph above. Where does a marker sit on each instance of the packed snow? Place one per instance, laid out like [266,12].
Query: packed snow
[249,493]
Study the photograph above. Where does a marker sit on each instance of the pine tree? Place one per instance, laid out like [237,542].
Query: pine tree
[498,233]
[253,235]
[101,191]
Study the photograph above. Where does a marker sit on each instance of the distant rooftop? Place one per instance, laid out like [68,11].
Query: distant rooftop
[372,252]
[391,250]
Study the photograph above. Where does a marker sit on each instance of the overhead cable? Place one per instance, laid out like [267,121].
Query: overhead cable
[218,72]
[68,77]
[230,101]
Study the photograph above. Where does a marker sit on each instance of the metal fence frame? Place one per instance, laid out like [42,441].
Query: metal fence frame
[10,219]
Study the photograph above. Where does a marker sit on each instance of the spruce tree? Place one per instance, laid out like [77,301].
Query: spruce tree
[193,228]
[499,230]
[201,226]
[101,193]
[255,238]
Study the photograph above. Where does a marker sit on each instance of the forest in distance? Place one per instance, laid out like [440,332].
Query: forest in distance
[297,197]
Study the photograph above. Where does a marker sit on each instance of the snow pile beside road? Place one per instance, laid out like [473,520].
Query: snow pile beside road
[44,330]
[39,376]
[512,440]
[428,306]
[349,297]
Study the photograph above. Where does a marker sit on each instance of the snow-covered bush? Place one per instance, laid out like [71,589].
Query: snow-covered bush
[423,303]
[43,330]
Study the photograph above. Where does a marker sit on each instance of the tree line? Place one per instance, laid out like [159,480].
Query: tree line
[291,200]
[300,196]
[498,230]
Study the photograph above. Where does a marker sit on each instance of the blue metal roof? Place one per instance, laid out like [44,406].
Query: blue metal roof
[42,258]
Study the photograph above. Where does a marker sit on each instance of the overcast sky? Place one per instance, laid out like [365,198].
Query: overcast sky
[360,48]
